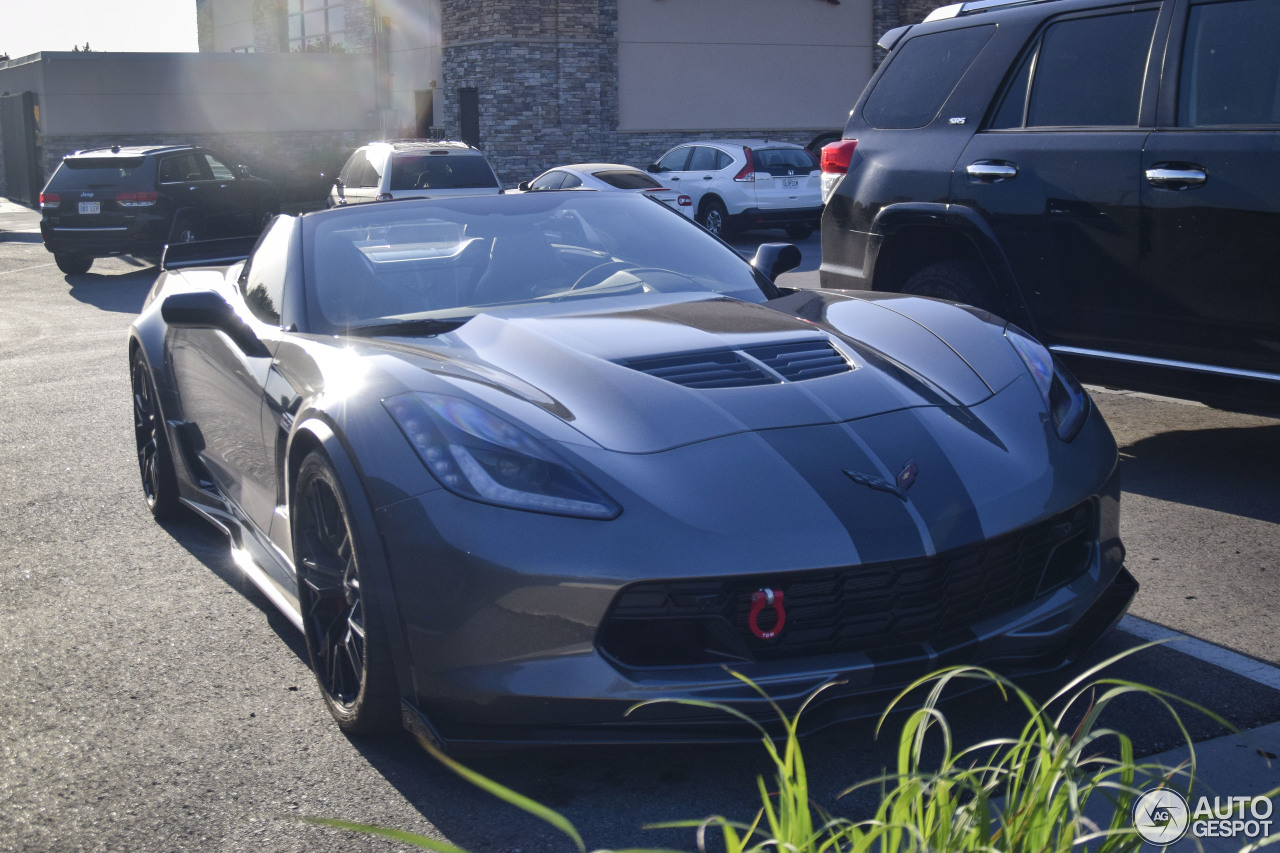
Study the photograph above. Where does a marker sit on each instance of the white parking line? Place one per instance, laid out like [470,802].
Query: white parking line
[1242,665]
[24,269]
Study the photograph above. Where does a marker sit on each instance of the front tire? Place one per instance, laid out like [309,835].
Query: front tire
[73,264]
[345,636]
[155,460]
[954,281]
[183,231]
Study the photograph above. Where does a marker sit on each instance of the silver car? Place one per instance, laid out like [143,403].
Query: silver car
[381,171]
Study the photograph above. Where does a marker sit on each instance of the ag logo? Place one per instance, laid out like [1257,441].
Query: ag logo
[1160,816]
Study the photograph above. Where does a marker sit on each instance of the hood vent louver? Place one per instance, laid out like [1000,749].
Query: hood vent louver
[761,365]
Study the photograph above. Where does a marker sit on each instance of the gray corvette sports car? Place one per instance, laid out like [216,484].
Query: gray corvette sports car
[515,463]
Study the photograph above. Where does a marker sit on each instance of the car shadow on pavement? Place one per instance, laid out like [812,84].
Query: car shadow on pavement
[1226,470]
[119,292]
[19,237]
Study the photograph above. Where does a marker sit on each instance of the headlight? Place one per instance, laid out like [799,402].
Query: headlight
[1067,402]
[480,456]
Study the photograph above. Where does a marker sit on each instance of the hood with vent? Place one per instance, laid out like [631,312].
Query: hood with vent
[642,377]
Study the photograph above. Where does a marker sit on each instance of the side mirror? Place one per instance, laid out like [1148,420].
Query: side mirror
[523,186]
[205,309]
[654,167]
[773,259]
[243,172]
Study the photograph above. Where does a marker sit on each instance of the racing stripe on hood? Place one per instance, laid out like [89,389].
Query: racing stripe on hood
[854,468]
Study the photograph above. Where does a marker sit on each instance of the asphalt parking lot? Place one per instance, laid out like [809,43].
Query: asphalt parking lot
[156,702]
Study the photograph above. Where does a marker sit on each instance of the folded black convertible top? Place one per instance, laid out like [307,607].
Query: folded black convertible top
[207,253]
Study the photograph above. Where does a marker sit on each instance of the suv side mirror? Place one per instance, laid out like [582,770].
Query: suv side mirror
[654,167]
[242,172]
[523,186]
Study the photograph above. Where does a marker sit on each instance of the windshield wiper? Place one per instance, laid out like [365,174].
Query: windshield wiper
[425,326]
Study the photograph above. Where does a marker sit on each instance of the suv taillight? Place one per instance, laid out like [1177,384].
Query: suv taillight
[747,173]
[138,199]
[836,157]
[50,200]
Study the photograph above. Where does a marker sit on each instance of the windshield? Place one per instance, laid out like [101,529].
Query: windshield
[450,259]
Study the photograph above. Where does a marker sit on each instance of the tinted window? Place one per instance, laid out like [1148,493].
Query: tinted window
[549,181]
[628,180]
[673,161]
[784,161]
[363,173]
[263,282]
[1230,65]
[101,172]
[427,171]
[184,167]
[1090,71]
[703,159]
[921,75]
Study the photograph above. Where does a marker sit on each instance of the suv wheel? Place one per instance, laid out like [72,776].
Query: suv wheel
[73,264]
[954,281]
[183,231]
[715,218]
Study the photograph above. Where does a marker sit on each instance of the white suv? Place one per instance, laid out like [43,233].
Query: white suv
[743,184]
[381,171]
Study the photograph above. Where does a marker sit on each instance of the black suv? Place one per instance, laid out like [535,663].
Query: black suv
[1105,174]
[132,201]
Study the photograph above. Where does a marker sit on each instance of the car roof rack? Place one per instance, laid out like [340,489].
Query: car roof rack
[970,6]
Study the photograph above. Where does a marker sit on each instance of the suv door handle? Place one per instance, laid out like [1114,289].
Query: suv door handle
[992,171]
[1179,176]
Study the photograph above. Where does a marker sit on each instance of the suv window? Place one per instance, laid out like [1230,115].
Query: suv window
[703,160]
[440,172]
[780,162]
[674,161]
[363,173]
[1089,71]
[100,172]
[183,167]
[221,171]
[1230,66]
[921,75]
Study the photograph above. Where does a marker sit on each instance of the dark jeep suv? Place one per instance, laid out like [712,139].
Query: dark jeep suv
[1105,174]
[132,201]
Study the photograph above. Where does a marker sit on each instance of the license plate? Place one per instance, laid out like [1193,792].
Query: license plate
[90,207]
[790,183]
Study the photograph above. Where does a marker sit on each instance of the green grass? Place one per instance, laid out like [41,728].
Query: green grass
[1040,791]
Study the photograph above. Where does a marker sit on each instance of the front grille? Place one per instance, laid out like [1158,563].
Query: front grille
[851,609]
[762,365]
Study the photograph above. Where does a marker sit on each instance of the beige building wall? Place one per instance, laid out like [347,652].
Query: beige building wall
[174,93]
[414,58]
[725,65]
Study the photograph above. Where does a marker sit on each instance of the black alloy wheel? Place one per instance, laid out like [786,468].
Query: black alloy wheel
[954,281]
[345,638]
[155,461]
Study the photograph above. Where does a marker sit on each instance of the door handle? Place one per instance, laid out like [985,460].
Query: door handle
[991,171]
[1171,176]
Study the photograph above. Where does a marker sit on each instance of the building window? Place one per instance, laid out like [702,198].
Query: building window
[317,26]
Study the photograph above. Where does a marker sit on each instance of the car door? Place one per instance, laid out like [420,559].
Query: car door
[672,169]
[1055,174]
[222,386]
[1211,190]
[230,204]
[184,179]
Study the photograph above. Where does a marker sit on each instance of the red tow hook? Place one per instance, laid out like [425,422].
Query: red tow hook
[759,601]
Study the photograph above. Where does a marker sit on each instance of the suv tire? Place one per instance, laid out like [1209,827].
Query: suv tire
[73,264]
[954,281]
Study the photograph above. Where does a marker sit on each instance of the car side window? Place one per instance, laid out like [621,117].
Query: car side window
[1230,66]
[674,161]
[221,171]
[549,181]
[1089,71]
[364,174]
[262,282]
[183,167]
[921,76]
[703,159]
[571,181]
